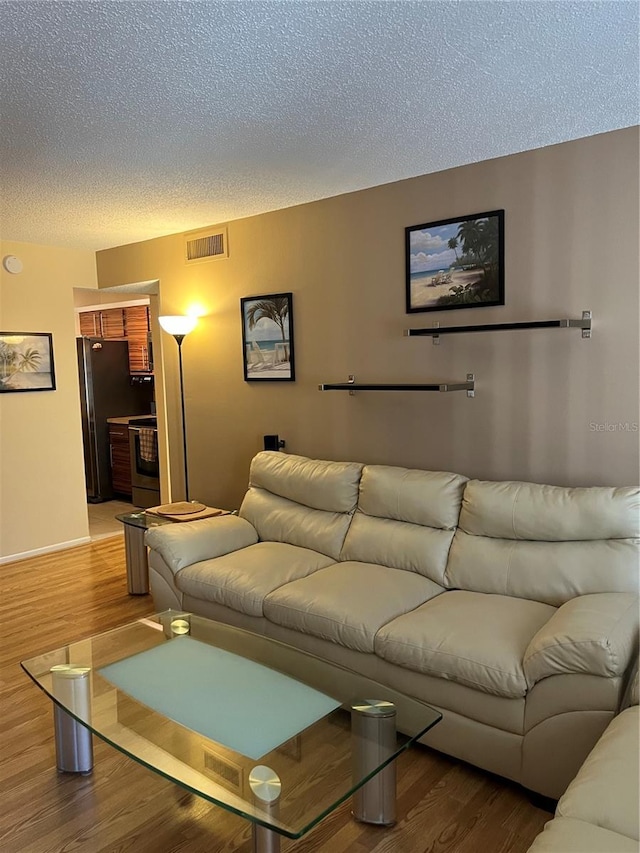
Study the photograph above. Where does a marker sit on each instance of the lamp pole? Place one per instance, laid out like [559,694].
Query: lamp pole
[179,339]
[179,327]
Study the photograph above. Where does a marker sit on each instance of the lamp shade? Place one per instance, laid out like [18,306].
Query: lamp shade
[178,324]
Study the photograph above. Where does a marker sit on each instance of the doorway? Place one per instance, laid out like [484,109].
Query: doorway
[100,516]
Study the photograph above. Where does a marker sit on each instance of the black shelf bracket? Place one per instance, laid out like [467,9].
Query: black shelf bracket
[351,386]
[436,331]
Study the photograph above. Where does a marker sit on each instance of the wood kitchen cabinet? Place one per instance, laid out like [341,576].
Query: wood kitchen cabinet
[130,324]
[120,458]
[137,331]
[109,324]
[113,323]
[90,324]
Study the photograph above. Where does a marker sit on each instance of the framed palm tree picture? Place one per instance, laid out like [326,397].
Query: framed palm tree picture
[267,338]
[455,263]
[26,361]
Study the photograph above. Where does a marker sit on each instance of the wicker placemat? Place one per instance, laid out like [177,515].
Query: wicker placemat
[192,515]
[179,508]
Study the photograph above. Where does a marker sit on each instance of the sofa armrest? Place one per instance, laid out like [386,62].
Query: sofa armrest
[183,544]
[595,634]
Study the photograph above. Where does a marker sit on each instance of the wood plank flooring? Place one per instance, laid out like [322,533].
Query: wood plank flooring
[444,806]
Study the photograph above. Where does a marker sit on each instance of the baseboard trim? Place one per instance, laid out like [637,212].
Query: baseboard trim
[59,546]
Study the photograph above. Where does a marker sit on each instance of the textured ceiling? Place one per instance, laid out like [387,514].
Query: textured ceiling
[121,121]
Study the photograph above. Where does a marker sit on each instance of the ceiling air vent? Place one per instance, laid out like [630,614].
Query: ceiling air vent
[205,245]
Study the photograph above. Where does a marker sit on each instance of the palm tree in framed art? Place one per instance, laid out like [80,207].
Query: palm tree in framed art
[275,308]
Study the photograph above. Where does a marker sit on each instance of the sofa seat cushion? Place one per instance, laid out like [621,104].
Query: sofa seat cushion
[468,637]
[241,580]
[605,792]
[348,603]
[565,835]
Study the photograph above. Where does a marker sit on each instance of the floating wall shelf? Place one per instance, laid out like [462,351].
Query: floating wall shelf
[436,331]
[351,386]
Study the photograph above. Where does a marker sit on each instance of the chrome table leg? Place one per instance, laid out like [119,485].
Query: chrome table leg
[373,726]
[74,746]
[266,787]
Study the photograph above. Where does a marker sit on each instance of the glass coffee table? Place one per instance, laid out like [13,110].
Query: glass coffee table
[250,724]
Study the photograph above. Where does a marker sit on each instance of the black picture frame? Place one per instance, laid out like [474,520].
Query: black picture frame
[436,276]
[268,353]
[26,362]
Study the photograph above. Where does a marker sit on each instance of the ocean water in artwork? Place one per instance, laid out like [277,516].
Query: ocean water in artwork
[269,346]
[417,276]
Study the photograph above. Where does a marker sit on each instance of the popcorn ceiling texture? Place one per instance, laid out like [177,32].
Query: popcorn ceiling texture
[121,121]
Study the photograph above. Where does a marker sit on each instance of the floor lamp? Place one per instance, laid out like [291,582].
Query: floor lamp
[179,326]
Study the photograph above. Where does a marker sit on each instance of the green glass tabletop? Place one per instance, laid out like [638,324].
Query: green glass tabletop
[217,709]
[142,519]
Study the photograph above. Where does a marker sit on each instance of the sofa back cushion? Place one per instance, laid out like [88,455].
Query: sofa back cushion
[304,502]
[545,543]
[405,519]
[316,483]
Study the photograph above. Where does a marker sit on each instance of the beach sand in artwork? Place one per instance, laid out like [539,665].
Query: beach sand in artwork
[22,381]
[276,371]
[423,295]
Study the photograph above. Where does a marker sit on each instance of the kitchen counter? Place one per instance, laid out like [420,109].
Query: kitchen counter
[125,420]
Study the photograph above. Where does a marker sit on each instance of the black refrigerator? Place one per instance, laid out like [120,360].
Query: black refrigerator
[106,391]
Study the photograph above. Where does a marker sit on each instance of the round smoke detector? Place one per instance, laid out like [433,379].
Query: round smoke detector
[12,264]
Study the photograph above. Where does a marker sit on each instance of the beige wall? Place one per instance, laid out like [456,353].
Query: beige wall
[42,488]
[548,403]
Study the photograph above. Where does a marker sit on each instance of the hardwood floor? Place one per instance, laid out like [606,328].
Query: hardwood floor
[49,601]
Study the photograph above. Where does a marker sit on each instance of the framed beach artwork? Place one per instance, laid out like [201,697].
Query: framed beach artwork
[26,361]
[455,263]
[267,338]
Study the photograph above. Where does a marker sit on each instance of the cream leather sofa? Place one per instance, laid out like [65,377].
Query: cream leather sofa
[598,813]
[511,607]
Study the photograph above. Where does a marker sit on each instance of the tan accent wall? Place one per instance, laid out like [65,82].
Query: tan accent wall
[42,486]
[549,406]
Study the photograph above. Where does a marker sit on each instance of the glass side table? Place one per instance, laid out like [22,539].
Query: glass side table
[136,525]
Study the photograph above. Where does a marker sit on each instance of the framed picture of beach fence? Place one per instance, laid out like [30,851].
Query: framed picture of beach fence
[267,338]
[26,361]
[455,263]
